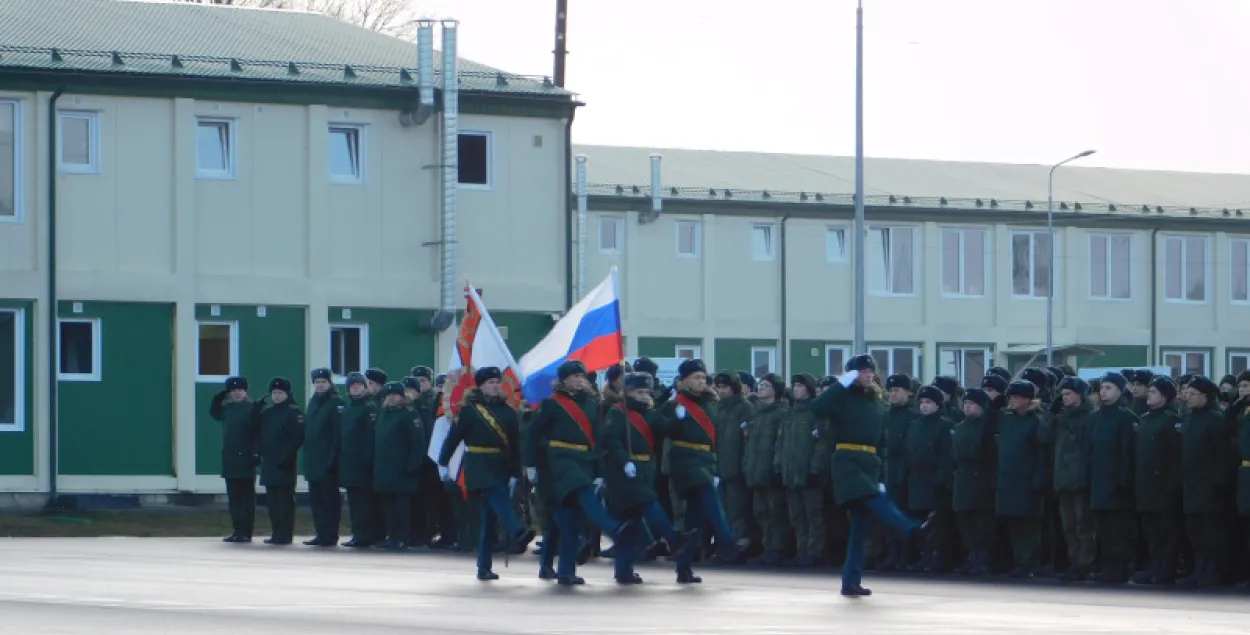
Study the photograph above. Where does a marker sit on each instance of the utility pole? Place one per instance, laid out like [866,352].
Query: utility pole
[860,348]
[562,51]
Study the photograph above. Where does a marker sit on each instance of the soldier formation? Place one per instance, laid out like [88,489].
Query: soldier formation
[1129,477]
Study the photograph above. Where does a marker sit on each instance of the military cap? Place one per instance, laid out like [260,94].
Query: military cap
[1036,376]
[807,380]
[1022,388]
[861,363]
[728,378]
[411,382]
[898,381]
[946,384]
[615,372]
[995,383]
[236,383]
[280,383]
[999,371]
[747,379]
[1228,379]
[638,381]
[1243,376]
[570,368]
[423,371]
[321,373]
[775,380]
[978,397]
[1204,385]
[485,374]
[1115,379]
[646,365]
[690,367]
[1165,387]
[392,388]
[1076,385]
[356,378]
[932,393]
[376,375]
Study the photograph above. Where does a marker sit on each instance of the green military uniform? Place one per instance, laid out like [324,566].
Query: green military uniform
[281,435]
[1206,456]
[1157,489]
[398,441]
[767,493]
[736,413]
[972,489]
[356,432]
[928,464]
[1021,482]
[855,431]
[492,452]
[801,456]
[1239,412]
[898,418]
[1070,436]
[692,454]
[321,461]
[1111,488]
[239,458]
[570,460]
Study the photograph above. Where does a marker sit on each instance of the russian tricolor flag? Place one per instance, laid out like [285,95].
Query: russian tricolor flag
[590,332]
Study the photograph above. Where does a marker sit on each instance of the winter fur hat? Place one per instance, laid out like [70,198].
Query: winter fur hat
[1076,385]
[1165,387]
[898,381]
[861,363]
[778,384]
[638,381]
[321,373]
[932,393]
[1022,388]
[690,367]
[486,374]
[978,397]
[730,379]
[808,381]
[236,383]
[570,368]
[376,375]
[1115,379]
[280,383]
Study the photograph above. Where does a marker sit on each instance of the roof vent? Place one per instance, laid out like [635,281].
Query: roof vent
[1226,212]
[500,80]
[1063,206]
[803,196]
[620,190]
[175,62]
[1028,205]
[711,192]
[235,66]
[1076,206]
[907,200]
[404,76]
[635,189]
[1158,209]
[292,69]
[1111,207]
[117,59]
[1145,209]
[892,199]
[819,197]
[349,72]
[1193,211]
[980,203]
[56,56]
[729,194]
[672,191]
[993,203]
[766,195]
[547,82]
[1239,212]
[942,200]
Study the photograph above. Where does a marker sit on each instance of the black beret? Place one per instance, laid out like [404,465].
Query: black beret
[615,372]
[485,374]
[999,371]
[1242,376]
[747,379]
[280,383]
[646,365]
[1165,387]
[978,397]
[690,367]
[861,362]
[376,375]
[1076,385]
[236,383]
[946,384]
[1204,385]
[638,381]
[356,378]
[423,371]
[1036,376]
[570,368]
[995,383]
[898,381]
[322,373]
[1228,379]
[1022,388]
[932,393]
[412,382]
[1115,379]
[774,380]
[392,388]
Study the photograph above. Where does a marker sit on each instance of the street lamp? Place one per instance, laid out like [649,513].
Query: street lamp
[1050,229]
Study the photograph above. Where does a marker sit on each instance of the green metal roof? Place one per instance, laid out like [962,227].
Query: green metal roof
[179,39]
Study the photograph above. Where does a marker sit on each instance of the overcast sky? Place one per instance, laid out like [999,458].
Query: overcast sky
[1157,84]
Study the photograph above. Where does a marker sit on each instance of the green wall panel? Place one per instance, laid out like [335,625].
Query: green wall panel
[102,431]
[270,346]
[398,339]
[1115,357]
[17,449]
[735,354]
[664,346]
[802,360]
[525,330]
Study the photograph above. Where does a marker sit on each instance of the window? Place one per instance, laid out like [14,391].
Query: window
[12,370]
[78,344]
[763,360]
[1031,261]
[1186,362]
[688,351]
[1237,363]
[688,239]
[1110,261]
[79,136]
[762,247]
[835,359]
[218,354]
[473,159]
[1240,291]
[349,349]
[894,361]
[1185,268]
[891,260]
[347,154]
[215,149]
[963,262]
[968,365]
[611,234]
[835,244]
[10,163]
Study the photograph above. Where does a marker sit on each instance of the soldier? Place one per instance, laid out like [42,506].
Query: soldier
[854,405]
[1001,373]
[1095,394]
[1139,383]
[1070,435]
[1157,481]
[768,501]
[628,439]
[488,427]
[281,426]
[898,417]
[953,393]
[1111,480]
[736,412]
[1206,454]
[748,385]
[397,450]
[357,422]
[801,456]
[377,379]
[1239,414]
[929,465]
[321,458]
[1228,390]
[419,522]
[610,395]
[427,396]
[973,470]
[1021,474]
[239,456]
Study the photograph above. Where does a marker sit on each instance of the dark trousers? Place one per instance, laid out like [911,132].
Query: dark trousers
[702,507]
[1117,536]
[280,500]
[1078,529]
[976,529]
[1026,541]
[397,508]
[636,538]
[241,499]
[327,508]
[432,513]
[551,541]
[1209,535]
[496,508]
[862,513]
[1163,535]
[567,541]
[362,508]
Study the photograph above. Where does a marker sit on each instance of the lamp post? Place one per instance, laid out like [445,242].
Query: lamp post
[1050,230]
[858,240]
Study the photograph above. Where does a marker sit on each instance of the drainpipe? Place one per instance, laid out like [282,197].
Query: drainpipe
[51,309]
[568,209]
[784,352]
[448,296]
[1152,356]
[425,77]
[582,233]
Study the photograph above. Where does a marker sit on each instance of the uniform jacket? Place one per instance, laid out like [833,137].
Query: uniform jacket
[736,413]
[855,415]
[281,435]
[321,443]
[1239,412]
[973,453]
[802,453]
[929,463]
[631,436]
[692,458]
[398,441]
[490,430]
[572,458]
[1070,435]
[240,437]
[894,447]
[1157,462]
[1111,458]
[1206,454]
[761,443]
[356,430]
[1021,463]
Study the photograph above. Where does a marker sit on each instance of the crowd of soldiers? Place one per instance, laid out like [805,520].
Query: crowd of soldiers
[1128,477]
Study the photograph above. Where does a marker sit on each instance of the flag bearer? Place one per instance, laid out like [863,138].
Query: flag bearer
[1112,442]
[1206,454]
[928,466]
[239,455]
[1021,475]
[736,413]
[802,458]
[898,417]
[768,495]
[321,458]
[1070,435]
[281,434]
[973,455]
[398,440]
[357,423]
[1157,481]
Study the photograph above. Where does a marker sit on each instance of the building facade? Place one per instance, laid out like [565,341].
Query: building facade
[214,201]
[749,264]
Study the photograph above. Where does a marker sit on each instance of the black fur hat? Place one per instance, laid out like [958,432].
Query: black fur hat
[1022,388]
[690,367]
[321,373]
[861,363]
[376,375]
[280,383]
[978,397]
[1165,387]
[638,381]
[932,393]
[485,374]
[570,368]
[898,381]
[236,383]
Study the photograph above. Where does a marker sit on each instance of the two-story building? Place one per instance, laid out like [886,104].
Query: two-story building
[749,263]
[189,192]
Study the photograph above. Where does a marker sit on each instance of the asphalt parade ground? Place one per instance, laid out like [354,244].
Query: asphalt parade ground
[140,586]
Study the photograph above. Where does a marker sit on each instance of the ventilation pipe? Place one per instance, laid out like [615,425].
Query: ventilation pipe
[656,197]
[449,295]
[582,232]
[425,77]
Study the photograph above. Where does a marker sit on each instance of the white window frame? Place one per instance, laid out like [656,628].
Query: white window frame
[917,255]
[19,179]
[1228,360]
[1184,352]
[769,253]
[771,351]
[234,350]
[1054,260]
[93,142]
[1207,257]
[97,347]
[917,359]
[361,153]
[696,351]
[364,346]
[490,161]
[697,229]
[19,372]
[1107,236]
[960,355]
[232,149]
[846,354]
[618,224]
[1232,291]
[831,257]
[962,292]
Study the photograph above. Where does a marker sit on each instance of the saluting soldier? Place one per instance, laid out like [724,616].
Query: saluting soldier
[488,427]
[321,458]
[899,414]
[1157,481]
[1021,475]
[1070,435]
[356,442]
[281,424]
[1206,454]
[802,458]
[736,413]
[398,440]
[973,478]
[768,495]
[928,464]
[239,455]
[1111,480]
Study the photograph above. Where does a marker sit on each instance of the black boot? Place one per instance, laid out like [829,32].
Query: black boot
[1149,574]
[892,559]
[1194,578]
[922,564]
[982,565]
[1113,572]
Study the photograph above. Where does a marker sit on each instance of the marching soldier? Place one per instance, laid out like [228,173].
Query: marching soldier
[928,464]
[239,455]
[898,417]
[1070,436]
[1021,474]
[802,458]
[1157,481]
[767,492]
[281,426]
[356,433]
[973,454]
[321,458]
[736,413]
[1206,454]
[397,450]
[1111,480]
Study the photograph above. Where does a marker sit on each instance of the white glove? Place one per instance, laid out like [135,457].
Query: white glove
[598,483]
[444,474]
[816,433]
[681,411]
[531,473]
[715,482]
[630,470]
[848,378]
[881,487]
[511,486]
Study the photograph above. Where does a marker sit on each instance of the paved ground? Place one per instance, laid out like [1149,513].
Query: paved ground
[141,586]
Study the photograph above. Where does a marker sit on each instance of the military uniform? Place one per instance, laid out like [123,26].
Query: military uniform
[928,465]
[1157,485]
[239,457]
[973,478]
[398,441]
[1111,483]
[801,457]
[768,502]
[898,418]
[357,423]
[1206,455]
[1239,413]
[281,435]
[1070,436]
[1021,480]
[736,413]
[321,460]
